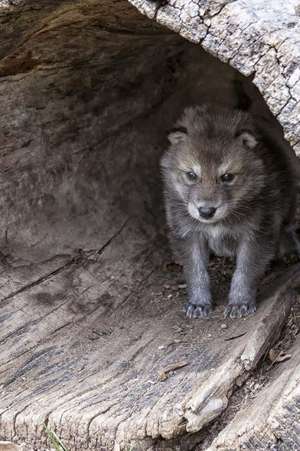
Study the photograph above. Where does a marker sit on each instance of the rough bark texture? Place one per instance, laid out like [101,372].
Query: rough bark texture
[260,39]
[272,419]
[91,317]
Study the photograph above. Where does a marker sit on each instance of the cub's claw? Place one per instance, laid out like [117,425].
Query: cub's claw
[197,311]
[239,310]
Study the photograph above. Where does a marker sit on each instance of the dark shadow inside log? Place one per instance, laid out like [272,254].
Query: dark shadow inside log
[85,110]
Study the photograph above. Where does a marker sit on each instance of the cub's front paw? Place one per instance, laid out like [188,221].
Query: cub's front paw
[197,310]
[239,310]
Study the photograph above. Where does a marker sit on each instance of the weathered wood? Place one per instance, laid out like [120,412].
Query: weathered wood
[8,446]
[84,354]
[259,39]
[271,419]
[90,316]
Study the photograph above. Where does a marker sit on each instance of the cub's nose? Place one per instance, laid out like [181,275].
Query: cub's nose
[207,212]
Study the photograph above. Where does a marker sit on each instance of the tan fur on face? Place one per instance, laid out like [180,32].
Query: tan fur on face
[230,165]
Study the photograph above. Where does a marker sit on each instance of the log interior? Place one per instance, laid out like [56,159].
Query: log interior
[89,312]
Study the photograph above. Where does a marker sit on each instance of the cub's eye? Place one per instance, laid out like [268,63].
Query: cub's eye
[227,178]
[191,176]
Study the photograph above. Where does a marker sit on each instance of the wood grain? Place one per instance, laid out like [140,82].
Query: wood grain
[90,313]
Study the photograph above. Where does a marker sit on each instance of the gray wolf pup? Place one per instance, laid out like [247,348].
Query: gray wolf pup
[228,190]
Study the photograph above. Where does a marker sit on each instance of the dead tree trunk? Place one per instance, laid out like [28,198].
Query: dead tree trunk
[93,341]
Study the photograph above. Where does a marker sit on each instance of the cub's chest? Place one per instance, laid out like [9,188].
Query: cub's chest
[222,241]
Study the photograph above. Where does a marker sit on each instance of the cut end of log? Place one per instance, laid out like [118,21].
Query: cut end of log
[93,338]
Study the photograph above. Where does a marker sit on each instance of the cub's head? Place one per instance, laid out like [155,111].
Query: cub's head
[212,167]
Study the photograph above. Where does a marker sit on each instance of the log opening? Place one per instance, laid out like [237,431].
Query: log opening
[90,317]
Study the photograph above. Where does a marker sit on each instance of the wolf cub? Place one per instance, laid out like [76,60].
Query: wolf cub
[228,190]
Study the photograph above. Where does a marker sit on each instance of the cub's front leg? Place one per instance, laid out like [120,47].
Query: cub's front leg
[195,254]
[253,257]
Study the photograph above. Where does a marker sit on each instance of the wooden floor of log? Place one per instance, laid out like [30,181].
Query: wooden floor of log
[96,345]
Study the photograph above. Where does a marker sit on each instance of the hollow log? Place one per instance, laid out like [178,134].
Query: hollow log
[94,345]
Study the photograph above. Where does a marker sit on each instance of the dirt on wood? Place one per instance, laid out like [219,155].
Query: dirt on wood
[84,351]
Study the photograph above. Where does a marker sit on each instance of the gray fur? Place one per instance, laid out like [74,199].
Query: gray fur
[252,211]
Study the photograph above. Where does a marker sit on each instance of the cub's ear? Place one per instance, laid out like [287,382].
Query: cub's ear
[177,135]
[247,138]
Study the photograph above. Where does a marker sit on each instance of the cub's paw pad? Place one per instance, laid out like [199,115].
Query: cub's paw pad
[239,310]
[197,311]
